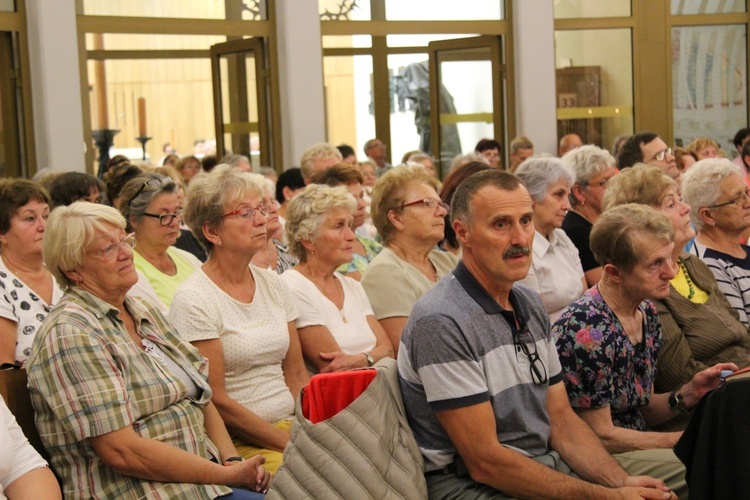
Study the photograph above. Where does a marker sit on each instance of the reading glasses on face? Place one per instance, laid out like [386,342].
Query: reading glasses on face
[430,203]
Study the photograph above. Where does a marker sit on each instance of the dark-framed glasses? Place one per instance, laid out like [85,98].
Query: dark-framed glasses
[248,213]
[663,154]
[430,203]
[111,251]
[152,184]
[523,341]
[600,184]
[165,219]
[738,200]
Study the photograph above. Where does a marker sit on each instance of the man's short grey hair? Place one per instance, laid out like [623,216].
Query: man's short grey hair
[540,172]
[587,161]
[319,151]
[235,160]
[461,160]
[70,229]
[461,202]
[701,185]
[306,213]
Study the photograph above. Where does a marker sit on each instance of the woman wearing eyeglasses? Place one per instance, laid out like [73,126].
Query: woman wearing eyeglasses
[151,206]
[609,344]
[720,209]
[699,326]
[240,316]
[555,271]
[410,218]
[337,328]
[122,404]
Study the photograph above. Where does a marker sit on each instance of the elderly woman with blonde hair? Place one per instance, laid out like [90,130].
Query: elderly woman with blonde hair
[337,328]
[122,404]
[719,203]
[239,316]
[410,217]
[555,271]
[699,325]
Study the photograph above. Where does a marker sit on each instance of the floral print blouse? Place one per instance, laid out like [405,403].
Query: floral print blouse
[601,367]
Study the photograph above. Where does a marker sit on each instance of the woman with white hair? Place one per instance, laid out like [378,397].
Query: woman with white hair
[337,327]
[555,271]
[593,167]
[719,203]
[275,256]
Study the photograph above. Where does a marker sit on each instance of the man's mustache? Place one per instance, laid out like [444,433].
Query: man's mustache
[515,251]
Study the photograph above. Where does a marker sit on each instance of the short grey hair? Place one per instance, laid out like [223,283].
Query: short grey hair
[539,173]
[135,207]
[588,161]
[209,192]
[306,213]
[264,183]
[701,185]
[70,229]
[319,151]
[461,201]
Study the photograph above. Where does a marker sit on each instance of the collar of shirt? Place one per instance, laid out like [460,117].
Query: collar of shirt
[490,306]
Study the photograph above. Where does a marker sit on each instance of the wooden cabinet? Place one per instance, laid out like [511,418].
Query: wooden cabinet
[579,87]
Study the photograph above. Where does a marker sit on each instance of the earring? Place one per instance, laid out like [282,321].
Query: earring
[220,243]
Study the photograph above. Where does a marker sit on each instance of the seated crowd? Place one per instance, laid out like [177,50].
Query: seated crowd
[553,326]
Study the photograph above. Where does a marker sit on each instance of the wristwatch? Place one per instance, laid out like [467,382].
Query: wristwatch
[370,359]
[676,401]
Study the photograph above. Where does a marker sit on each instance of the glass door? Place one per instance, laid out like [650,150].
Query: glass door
[467,103]
[12,162]
[241,98]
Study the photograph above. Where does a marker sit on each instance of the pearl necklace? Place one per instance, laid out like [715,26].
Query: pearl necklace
[691,289]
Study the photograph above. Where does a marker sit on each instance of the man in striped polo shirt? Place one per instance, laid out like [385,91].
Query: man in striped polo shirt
[480,376]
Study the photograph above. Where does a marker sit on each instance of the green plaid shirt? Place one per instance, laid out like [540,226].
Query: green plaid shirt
[87,378]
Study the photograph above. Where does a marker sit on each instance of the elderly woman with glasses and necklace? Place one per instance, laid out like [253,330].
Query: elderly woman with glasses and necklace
[610,339]
[720,209]
[240,316]
[151,206]
[410,218]
[699,326]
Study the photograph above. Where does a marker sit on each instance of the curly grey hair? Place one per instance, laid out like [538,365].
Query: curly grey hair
[306,213]
[701,185]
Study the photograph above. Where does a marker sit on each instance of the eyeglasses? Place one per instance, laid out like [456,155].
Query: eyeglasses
[248,212]
[153,184]
[738,200]
[600,184]
[110,251]
[536,365]
[430,203]
[166,219]
[662,154]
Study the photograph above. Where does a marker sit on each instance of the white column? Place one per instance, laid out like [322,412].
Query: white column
[534,41]
[55,84]
[300,77]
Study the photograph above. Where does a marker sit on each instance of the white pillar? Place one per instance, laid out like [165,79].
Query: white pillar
[300,77]
[534,41]
[55,85]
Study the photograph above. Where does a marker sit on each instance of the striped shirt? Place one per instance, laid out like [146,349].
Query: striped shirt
[88,378]
[732,275]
